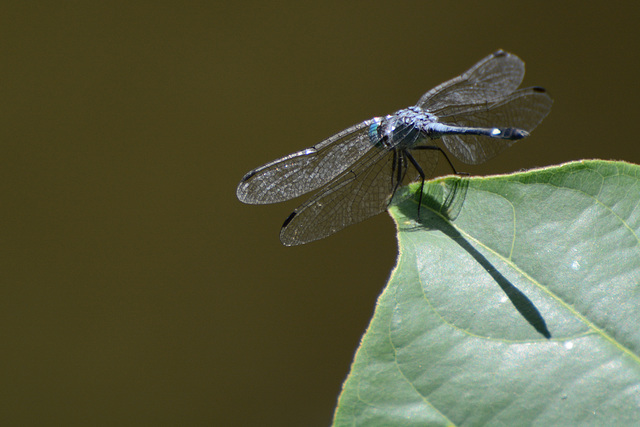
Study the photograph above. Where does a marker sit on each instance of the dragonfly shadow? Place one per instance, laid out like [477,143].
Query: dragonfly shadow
[436,215]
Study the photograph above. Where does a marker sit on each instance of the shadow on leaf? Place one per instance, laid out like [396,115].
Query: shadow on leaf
[441,204]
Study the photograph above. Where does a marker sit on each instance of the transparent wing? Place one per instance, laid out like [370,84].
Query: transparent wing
[356,195]
[306,170]
[427,159]
[493,77]
[523,109]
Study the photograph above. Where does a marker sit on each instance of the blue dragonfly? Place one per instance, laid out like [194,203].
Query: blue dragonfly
[357,171]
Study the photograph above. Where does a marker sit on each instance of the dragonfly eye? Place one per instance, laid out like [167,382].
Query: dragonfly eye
[377,134]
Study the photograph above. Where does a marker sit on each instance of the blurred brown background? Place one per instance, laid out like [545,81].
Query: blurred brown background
[136,289]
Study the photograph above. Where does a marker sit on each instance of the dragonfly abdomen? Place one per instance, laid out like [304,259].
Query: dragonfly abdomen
[437,130]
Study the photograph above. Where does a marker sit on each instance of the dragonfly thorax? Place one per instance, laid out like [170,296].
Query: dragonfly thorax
[403,129]
[417,117]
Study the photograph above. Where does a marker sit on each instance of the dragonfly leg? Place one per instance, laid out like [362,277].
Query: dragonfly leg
[435,147]
[422,177]
[421,172]
[398,172]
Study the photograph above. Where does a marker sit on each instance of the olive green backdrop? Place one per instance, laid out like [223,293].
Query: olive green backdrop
[135,288]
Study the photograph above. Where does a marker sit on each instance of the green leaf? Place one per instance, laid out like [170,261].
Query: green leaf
[518,305]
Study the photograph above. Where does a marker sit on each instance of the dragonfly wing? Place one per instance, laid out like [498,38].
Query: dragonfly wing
[356,195]
[493,77]
[523,109]
[306,170]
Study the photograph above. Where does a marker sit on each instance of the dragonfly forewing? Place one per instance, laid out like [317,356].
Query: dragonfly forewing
[493,77]
[306,170]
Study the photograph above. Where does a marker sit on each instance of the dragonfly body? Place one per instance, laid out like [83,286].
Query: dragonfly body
[408,127]
[357,171]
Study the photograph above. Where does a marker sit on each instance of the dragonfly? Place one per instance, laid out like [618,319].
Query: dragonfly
[357,171]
